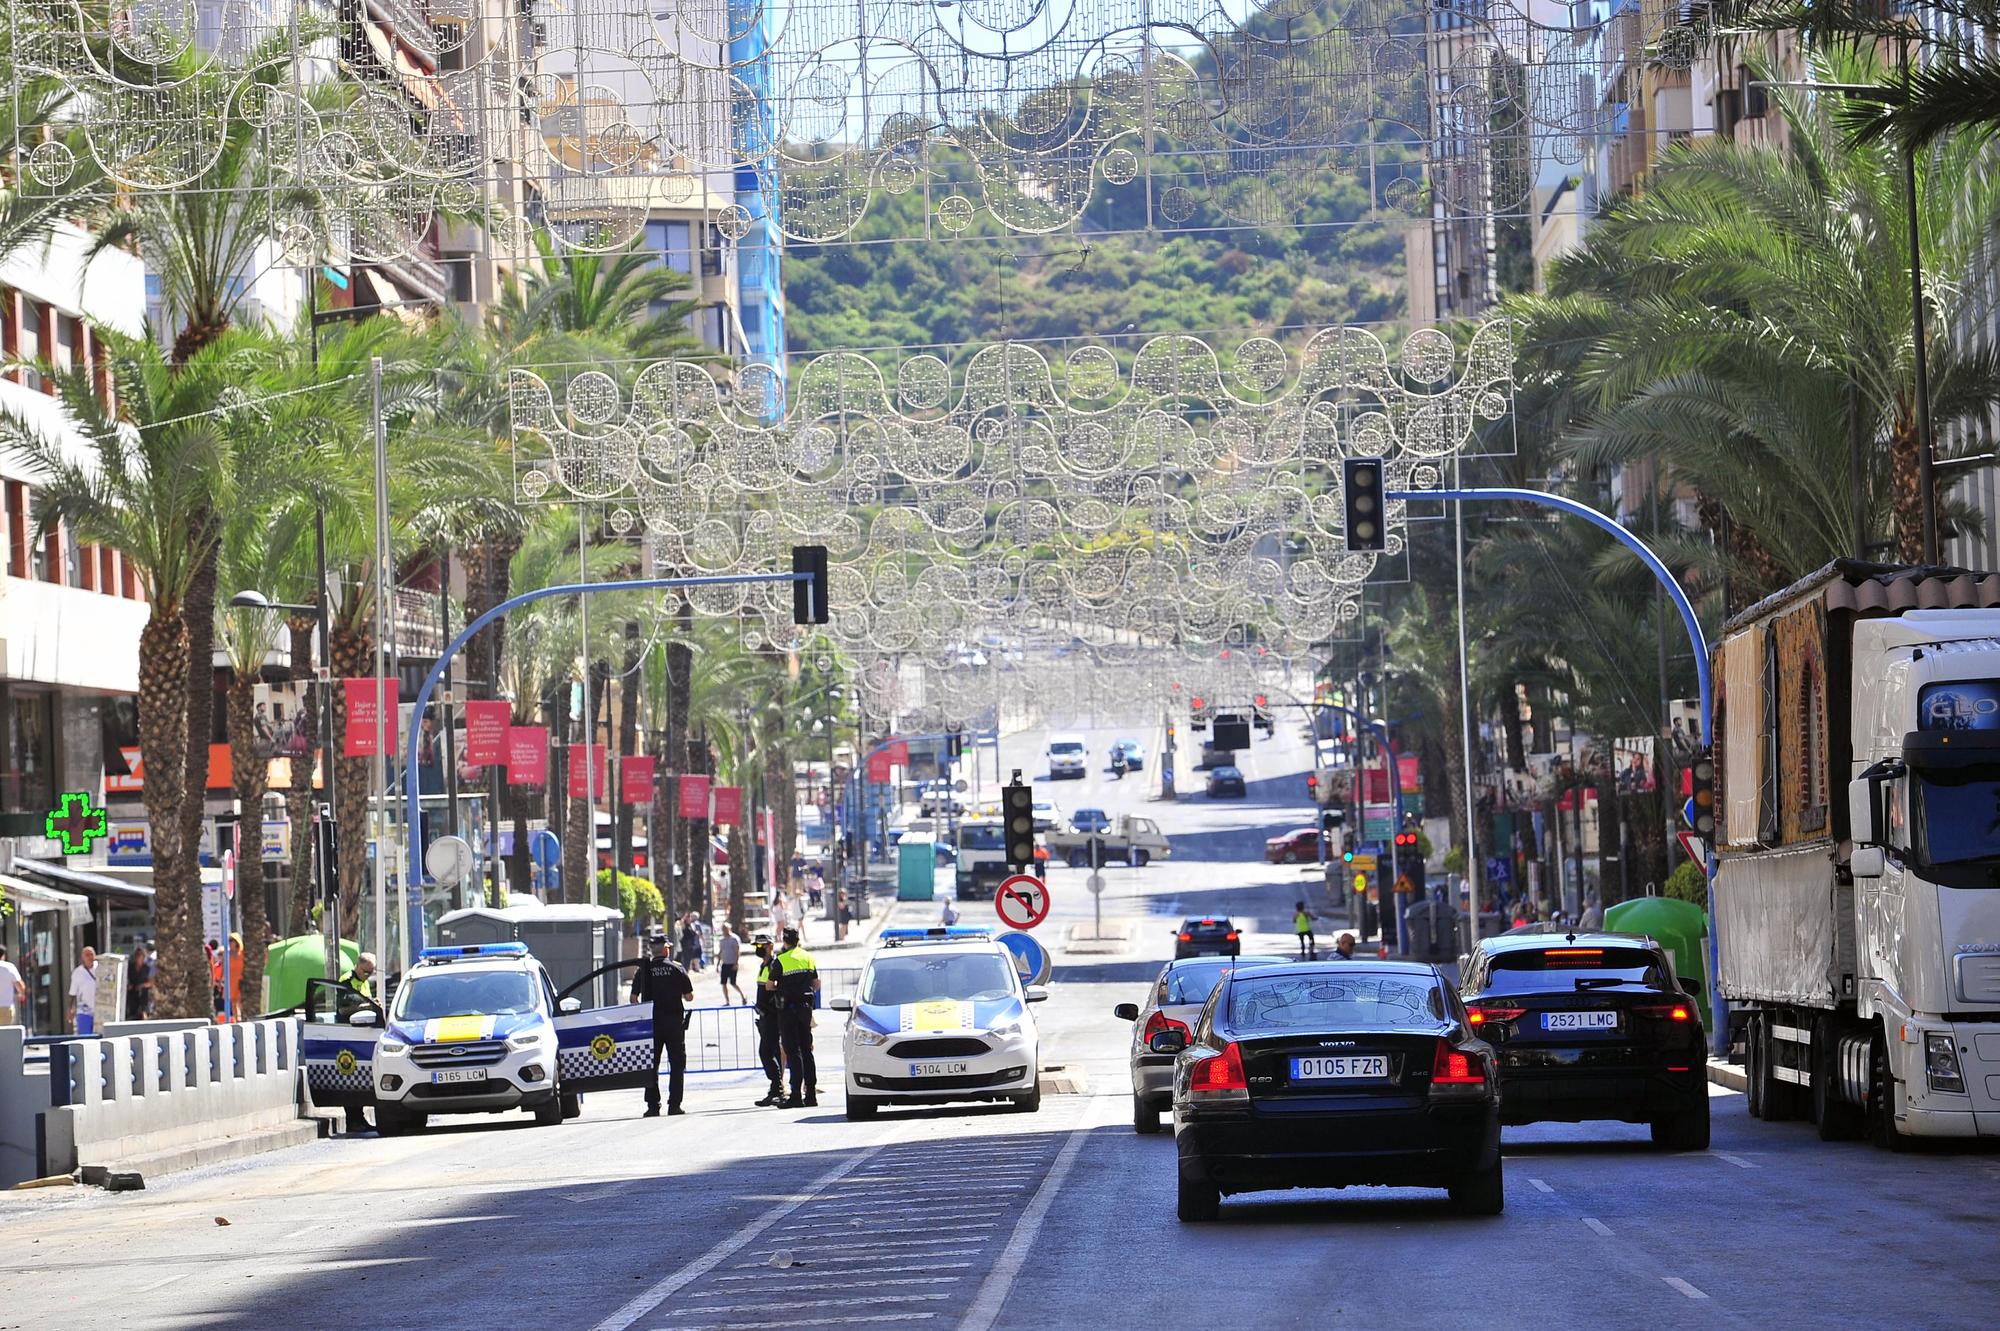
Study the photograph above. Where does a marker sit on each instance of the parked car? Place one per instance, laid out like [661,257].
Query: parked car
[1295,847]
[1226,783]
[1173,1003]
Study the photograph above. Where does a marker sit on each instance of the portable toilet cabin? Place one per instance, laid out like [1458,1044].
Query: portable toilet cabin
[570,941]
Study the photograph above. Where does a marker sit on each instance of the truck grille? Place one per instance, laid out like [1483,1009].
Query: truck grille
[459,1054]
[1979,977]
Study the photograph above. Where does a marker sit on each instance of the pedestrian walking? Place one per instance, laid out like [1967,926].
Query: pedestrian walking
[950,913]
[83,994]
[798,985]
[665,984]
[138,984]
[1302,925]
[690,943]
[1593,915]
[13,993]
[769,1038]
[729,951]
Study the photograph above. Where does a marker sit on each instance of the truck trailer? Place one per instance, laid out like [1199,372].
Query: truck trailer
[1856,898]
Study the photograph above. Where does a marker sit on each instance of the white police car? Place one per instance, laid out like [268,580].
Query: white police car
[941,1015]
[471,1031]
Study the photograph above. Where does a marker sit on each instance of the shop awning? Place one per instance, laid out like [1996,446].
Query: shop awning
[62,877]
[34,899]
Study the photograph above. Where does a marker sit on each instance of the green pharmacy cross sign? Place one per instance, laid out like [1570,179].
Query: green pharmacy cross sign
[75,824]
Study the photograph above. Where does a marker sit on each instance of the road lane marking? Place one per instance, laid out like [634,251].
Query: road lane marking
[764,1272]
[869,1320]
[992,1295]
[1684,1287]
[662,1290]
[1736,1160]
[790,1302]
[1540,1186]
[874,1242]
[817,1287]
[162,1284]
[1598,1225]
[858,1257]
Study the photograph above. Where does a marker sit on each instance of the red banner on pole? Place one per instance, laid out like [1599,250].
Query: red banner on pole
[728,806]
[599,786]
[358,739]
[527,755]
[635,780]
[694,798]
[486,731]
[896,753]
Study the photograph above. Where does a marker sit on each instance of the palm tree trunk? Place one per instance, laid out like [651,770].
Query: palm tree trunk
[623,813]
[181,982]
[349,652]
[249,766]
[298,795]
[1906,489]
[701,763]
[679,840]
[198,616]
[742,872]
[781,798]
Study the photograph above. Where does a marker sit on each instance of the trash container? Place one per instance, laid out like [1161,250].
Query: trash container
[1433,930]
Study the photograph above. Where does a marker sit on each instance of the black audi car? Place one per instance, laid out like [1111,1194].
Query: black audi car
[1207,936]
[1332,1074]
[1592,1026]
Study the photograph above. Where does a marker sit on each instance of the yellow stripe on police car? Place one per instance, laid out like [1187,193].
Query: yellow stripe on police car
[447,1030]
[943,1014]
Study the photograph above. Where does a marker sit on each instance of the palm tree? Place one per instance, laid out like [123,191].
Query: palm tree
[182,446]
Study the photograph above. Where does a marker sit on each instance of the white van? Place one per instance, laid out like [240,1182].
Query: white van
[1067,756]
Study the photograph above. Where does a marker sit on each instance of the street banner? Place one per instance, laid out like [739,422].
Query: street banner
[486,731]
[694,798]
[527,755]
[728,806]
[883,761]
[595,773]
[635,780]
[358,741]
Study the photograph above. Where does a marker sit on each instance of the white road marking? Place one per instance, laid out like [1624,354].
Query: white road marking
[1540,1186]
[861,1227]
[790,1302]
[986,1305]
[1736,1160]
[873,1242]
[302,1231]
[162,1284]
[862,1258]
[1684,1287]
[848,1321]
[764,1272]
[1598,1225]
[644,1303]
[817,1287]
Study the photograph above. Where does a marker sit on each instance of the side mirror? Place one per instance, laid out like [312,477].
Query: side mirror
[1864,810]
[1168,1042]
[1690,985]
[1035,993]
[569,1005]
[1868,861]
[365,1017]
[841,1004]
[1126,1012]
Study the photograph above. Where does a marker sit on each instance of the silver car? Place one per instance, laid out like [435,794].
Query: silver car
[1174,1002]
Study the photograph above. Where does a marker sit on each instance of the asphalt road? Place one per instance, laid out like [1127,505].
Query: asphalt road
[984,1217]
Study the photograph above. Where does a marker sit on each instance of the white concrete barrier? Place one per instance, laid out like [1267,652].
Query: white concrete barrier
[24,1094]
[169,1099]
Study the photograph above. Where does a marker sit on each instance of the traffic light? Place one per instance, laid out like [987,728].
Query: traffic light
[1347,857]
[809,603]
[1362,504]
[1406,841]
[1017,812]
[1312,786]
[954,746]
[1197,713]
[1701,803]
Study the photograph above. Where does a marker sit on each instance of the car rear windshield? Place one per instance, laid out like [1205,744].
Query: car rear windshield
[1534,970]
[1326,1002]
[983,837]
[1200,927]
[1193,983]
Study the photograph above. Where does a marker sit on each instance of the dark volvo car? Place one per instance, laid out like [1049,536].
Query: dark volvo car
[1332,1074]
[1591,1026]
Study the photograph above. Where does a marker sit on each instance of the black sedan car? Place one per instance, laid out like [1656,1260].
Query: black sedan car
[1329,1075]
[1592,1026]
[1207,936]
[1226,782]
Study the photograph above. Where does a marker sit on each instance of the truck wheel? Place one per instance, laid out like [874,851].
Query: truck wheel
[1836,1119]
[1776,1095]
[1139,859]
[1882,1129]
[1753,1064]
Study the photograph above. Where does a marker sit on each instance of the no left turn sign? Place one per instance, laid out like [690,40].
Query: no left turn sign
[1022,901]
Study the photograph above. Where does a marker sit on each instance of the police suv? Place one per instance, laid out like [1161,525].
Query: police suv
[471,1031]
[941,1015]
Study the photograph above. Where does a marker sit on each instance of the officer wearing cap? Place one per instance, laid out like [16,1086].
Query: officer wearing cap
[798,985]
[661,981]
[767,1021]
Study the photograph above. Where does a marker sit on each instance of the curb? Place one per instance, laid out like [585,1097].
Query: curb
[1728,1074]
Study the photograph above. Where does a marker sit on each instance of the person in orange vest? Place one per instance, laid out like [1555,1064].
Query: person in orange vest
[235,974]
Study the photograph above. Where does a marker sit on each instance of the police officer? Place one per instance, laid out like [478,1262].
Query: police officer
[767,1022]
[798,984]
[661,981]
[358,978]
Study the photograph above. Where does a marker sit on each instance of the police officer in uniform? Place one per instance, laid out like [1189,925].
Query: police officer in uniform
[768,1037]
[662,982]
[798,983]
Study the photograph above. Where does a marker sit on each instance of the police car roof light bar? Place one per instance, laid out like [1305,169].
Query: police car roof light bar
[937,933]
[473,950]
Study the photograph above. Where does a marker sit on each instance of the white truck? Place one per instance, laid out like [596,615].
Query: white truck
[1857,893]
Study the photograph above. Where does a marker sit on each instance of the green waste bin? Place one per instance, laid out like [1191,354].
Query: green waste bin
[1681,926]
[293,961]
[916,869]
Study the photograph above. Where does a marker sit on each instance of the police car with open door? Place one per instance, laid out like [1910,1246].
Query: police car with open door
[940,1015]
[470,1030]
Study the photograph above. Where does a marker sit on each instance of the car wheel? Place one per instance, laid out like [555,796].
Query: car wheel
[1031,1103]
[1145,1117]
[549,1112]
[860,1107]
[572,1104]
[1139,859]
[1882,1129]
[1291,857]
[1685,1131]
[1482,1192]
[392,1122]
[1198,1203]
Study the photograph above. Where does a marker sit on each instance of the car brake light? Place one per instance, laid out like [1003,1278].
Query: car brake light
[1229,937]
[1220,1076]
[1186,937]
[1160,1022]
[1455,1071]
[1481,1016]
[1574,952]
[1670,1011]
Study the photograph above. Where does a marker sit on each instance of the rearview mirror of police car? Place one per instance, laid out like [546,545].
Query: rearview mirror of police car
[1036,994]
[569,1005]
[842,1005]
[365,1017]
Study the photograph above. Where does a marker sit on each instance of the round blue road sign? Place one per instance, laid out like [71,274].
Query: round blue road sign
[1030,957]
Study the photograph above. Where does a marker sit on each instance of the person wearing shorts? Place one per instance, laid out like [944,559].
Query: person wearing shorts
[728,950]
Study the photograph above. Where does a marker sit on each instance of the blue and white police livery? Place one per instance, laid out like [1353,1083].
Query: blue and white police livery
[471,1030]
[940,1015]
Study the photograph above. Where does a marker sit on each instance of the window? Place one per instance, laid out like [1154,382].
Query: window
[1756,97]
[674,243]
[27,781]
[32,346]
[459,266]
[753,320]
[18,532]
